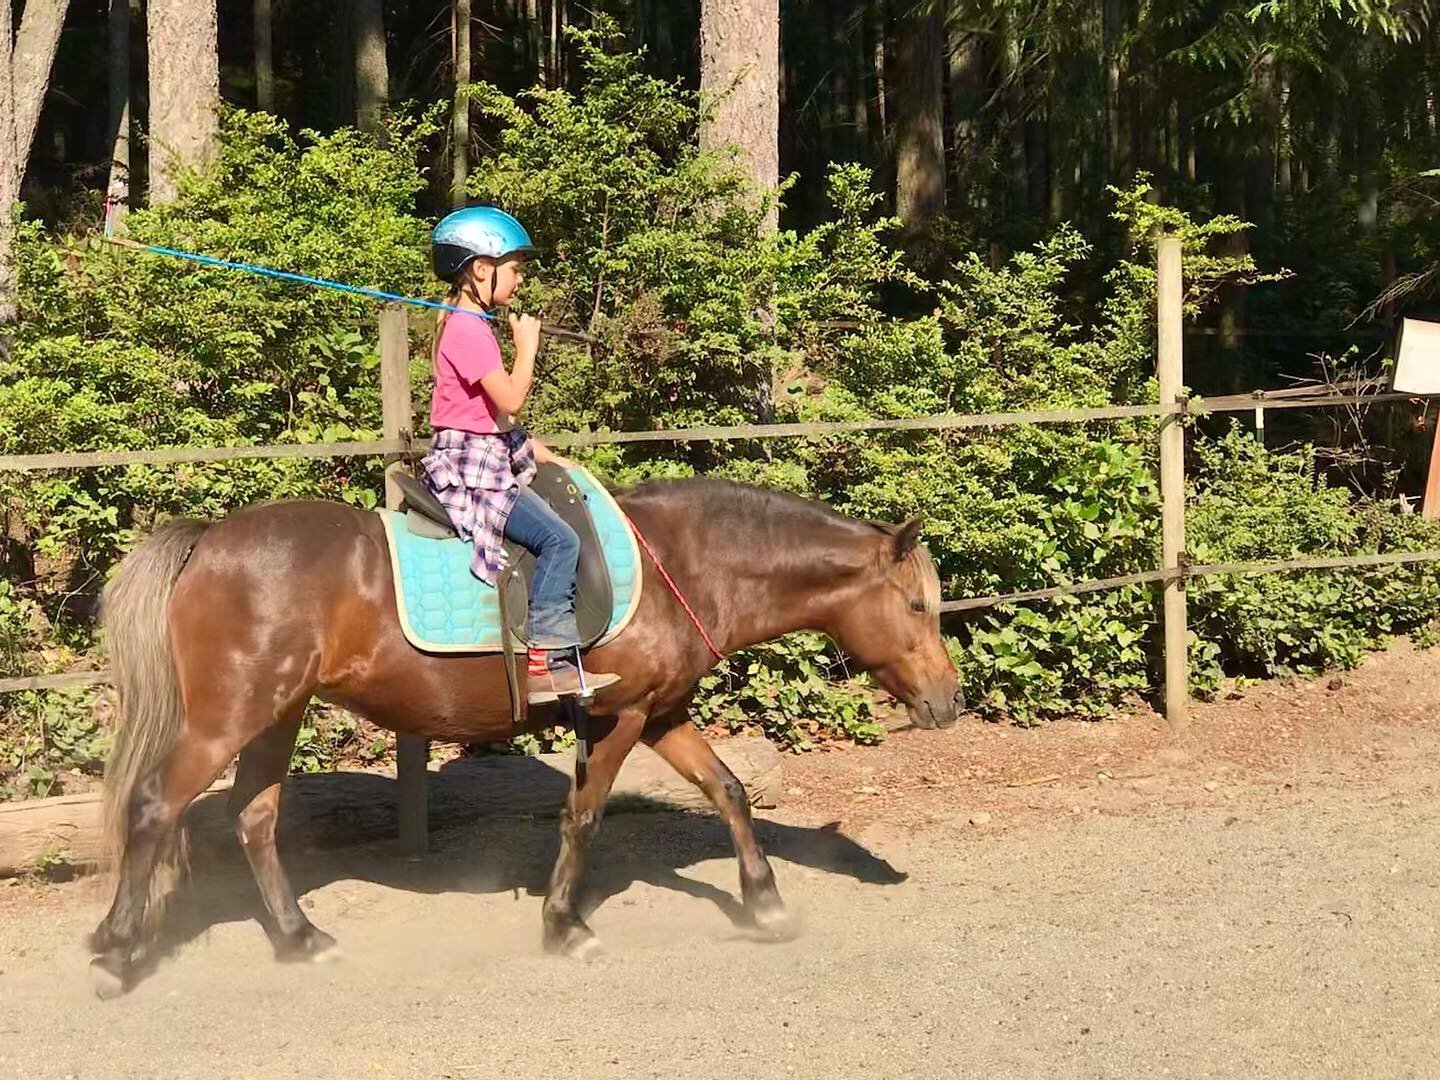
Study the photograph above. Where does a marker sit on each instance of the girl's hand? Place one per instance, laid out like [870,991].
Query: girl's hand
[525,329]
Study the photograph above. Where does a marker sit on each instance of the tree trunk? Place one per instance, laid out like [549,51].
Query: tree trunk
[1187,143]
[920,117]
[967,94]
[740,86]
[117,189]
[534,39]
[1114,110]
[184,89]
[1036,167]
[9,177]
[460,131]
[837,132]
[740,81]
[34,53]
[857,63]
[652,27]
[1014,133]
[1270,93]
[1231,199]
[372,73]
[1369,152]
[557,55]
[875,23]
[264,57]
[1284,155]
[1055,171]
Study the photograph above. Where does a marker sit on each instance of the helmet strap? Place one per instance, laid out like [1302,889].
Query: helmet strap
[468,286]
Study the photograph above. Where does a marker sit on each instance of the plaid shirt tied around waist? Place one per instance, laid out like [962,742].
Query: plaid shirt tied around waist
[477,478]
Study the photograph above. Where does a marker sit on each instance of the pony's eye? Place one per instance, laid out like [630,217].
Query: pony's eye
[917,606]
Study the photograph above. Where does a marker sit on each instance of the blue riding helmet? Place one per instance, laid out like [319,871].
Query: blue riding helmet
[471,232]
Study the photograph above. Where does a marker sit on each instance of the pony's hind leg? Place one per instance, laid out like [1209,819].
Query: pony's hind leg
[255,802]
[155,809]
[682,745]
[565,930]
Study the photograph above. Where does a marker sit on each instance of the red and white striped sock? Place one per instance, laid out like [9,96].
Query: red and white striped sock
[539,663]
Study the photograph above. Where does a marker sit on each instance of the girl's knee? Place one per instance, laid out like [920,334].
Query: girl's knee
[565,543]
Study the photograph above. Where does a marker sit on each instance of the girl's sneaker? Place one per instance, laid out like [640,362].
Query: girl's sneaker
[561,678]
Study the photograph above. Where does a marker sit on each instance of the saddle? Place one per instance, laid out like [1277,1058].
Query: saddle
[444,608]
[594,595]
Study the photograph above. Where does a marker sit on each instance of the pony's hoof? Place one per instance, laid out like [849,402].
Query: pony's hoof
[100,940]
[586,949]
[774,924]
[311,946]
[107,976]
[578,942]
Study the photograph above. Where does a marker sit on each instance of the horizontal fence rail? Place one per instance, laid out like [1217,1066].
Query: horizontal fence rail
[974,603]
[1190,572]
[72,680]
[173,455]
[184,455]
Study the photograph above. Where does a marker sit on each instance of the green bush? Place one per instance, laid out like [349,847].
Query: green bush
[794,690]
[330,738]
[120,350]
[1255,504]
[45,737]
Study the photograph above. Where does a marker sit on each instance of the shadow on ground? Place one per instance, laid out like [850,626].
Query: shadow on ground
[478,844]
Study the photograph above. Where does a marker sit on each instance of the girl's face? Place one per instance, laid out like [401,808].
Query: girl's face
[506,276]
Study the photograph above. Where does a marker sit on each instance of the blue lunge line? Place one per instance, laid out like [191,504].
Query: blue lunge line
[304,279]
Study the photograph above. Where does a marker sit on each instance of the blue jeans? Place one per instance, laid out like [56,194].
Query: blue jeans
[542,532]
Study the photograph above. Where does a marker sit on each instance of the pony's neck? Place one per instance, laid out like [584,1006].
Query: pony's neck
[754,577]
[748,612]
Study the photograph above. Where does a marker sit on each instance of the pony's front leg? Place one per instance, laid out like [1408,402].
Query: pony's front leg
[565,930]
[681,744]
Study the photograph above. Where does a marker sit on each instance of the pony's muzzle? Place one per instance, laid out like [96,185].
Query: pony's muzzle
[939,708]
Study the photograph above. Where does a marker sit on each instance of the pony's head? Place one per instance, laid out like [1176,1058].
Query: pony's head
[890,623]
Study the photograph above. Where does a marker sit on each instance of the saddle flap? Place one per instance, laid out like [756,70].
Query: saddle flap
[426,526]
[424,512]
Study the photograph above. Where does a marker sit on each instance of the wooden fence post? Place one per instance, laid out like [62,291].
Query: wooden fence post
[1170,307]
[397,418]
[1430,501]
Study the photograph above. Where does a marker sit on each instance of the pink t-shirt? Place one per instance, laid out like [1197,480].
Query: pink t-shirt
[466,353]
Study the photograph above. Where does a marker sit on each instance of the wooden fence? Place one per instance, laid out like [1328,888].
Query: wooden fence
[397,445]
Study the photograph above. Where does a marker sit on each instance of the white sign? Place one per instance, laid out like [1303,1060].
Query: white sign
[1417,358]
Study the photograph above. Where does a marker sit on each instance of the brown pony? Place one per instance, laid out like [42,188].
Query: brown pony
[220,633]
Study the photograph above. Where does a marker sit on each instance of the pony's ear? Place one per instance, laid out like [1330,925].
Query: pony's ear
[906,538]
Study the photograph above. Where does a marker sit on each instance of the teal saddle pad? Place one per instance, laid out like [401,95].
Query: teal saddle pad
[443,607]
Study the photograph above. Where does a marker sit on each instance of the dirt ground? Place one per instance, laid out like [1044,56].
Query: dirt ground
[1076,901]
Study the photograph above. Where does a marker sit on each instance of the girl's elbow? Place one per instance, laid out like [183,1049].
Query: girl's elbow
[504,395]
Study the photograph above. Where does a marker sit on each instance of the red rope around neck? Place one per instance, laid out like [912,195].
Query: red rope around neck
[674,589]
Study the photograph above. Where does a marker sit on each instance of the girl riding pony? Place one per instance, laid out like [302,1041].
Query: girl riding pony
[481,462]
